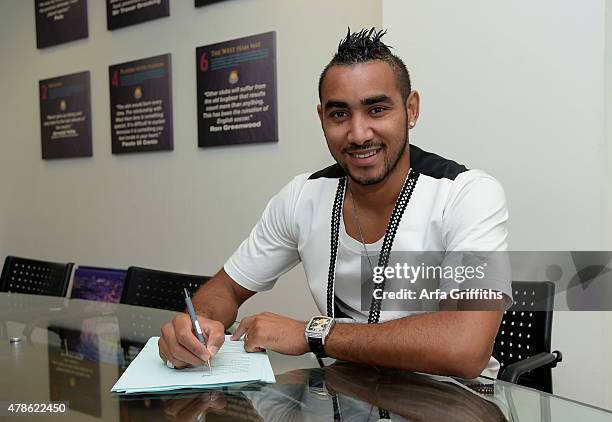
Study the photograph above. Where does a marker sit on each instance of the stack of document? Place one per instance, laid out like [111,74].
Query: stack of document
[231,365]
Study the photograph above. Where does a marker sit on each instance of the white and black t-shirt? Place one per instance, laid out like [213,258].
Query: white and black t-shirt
[451,209]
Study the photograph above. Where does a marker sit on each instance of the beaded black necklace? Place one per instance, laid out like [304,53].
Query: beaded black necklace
[385,253]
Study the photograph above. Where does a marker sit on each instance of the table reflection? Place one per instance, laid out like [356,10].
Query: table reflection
[341,392]
[75,350]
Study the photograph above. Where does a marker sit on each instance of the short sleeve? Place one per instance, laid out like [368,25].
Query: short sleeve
[475,216]
[271,248]
[475,222]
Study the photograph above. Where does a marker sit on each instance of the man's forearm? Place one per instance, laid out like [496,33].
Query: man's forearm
[448,343]
[217,300]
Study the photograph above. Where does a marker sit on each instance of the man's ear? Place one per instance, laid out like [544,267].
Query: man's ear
[320,113]
[412,108]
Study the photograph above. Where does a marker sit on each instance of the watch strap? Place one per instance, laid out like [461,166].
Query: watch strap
[316,346]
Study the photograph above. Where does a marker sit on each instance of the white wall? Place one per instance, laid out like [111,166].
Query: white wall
[516,88]
[607,174]
[185,210]
[607,144]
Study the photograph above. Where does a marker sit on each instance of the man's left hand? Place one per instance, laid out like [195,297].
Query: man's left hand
[275,332]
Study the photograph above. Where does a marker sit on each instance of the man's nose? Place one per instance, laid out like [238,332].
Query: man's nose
[360,130]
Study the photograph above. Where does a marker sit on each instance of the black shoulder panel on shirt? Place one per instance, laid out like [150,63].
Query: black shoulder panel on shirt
[433,165]
[332,172]
[424,162]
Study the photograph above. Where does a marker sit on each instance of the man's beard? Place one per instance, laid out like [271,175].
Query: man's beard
[389,165]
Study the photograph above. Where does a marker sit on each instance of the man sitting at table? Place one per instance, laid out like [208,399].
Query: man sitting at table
[382,195]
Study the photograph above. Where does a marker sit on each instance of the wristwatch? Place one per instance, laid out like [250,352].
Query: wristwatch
[317,330]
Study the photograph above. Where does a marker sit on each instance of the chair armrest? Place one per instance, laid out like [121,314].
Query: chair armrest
[513,371]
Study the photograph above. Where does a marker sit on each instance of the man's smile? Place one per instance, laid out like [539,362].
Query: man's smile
[364,156]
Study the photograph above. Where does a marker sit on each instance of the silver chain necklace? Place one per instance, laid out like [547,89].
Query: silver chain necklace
[356,216]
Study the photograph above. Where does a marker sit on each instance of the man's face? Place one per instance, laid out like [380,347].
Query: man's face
[364,119]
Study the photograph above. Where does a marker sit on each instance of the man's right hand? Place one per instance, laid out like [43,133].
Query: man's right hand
[180,346]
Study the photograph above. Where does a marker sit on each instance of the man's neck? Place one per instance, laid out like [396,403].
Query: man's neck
[385,193]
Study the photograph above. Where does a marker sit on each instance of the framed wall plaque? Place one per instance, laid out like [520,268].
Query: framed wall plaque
[65,116]
[60,21]
[122,13]
[202,3]
[141,105]
[236,91]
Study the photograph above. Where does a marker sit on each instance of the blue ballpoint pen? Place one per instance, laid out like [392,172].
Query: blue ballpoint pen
[194,322]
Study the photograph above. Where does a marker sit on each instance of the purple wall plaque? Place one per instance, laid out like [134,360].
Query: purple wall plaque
[236,91]
[65,116]
[141,105]
[60,21]
[121,13]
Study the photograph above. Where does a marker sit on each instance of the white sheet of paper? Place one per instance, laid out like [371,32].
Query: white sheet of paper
[147,373]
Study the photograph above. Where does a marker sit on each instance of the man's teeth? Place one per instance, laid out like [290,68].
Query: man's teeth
[365,154]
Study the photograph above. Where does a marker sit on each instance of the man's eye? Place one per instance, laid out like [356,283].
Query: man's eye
[339,114]
[376,110]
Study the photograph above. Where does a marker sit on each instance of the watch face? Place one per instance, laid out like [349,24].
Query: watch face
[318,324]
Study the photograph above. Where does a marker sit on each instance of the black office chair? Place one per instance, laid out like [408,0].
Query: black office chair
[522,345]
[22,275]
[159,289]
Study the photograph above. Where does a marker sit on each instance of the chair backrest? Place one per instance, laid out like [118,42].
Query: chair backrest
[159,289]
[525,332]
[101,284]
[22,275]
